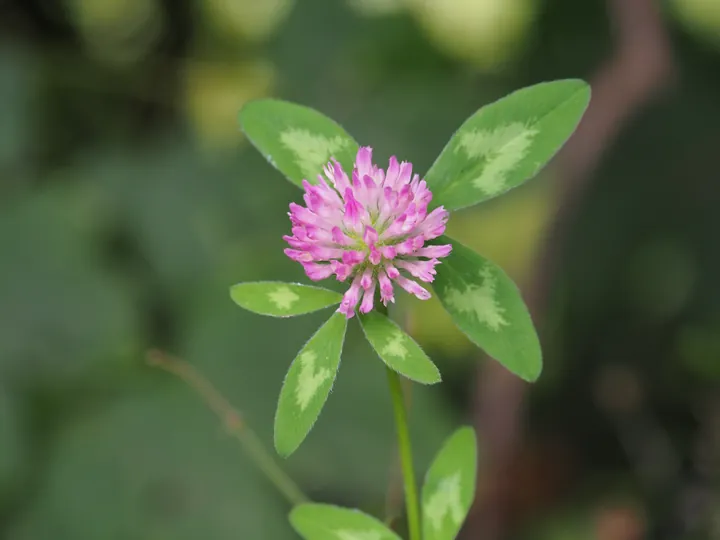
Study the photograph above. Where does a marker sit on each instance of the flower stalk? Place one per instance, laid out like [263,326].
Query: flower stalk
[406,457]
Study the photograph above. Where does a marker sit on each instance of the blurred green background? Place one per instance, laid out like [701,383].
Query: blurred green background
[130,202]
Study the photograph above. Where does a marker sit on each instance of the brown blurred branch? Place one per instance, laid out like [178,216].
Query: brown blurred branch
[640,68]
[232,421]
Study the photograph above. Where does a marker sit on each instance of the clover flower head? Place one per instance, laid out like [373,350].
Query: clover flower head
[370,228]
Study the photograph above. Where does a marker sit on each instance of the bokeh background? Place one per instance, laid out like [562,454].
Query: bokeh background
[130,202]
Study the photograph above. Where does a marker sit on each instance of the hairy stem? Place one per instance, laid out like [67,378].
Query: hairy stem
[406,459]
[233,422]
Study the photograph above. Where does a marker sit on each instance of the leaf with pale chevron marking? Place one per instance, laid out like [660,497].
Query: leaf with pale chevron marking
[296,140]
[506,143]
[397,349]
[449,486]
[328,522]
[486,305]
[308,384]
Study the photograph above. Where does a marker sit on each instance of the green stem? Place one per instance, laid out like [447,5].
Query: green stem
[406,459]
[258,453]
[234,423]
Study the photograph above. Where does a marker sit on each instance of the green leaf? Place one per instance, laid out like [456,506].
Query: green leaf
[486,305]
[12,447]
[307,385]
[327,522]
[279,299]
[449,486]
[296,140]
[89,319]
[506,142]
[178,479]
[397,349]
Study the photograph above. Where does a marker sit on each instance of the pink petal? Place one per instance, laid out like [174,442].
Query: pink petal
[392,272]
[423,270]
[389,252]
[392,173]
[370,236]
[386,288]
[353,257]
[295,243]
[297,255]
[339,237]
[434,224]
[375,255]
[434,251]
[342,271]
[366,278]
[350,299]
[338,177]
[322,253]
[404,174]
[368,298]
[316,271]
[412,287]
[363,161]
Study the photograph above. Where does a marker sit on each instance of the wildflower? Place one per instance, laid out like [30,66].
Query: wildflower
[370,228]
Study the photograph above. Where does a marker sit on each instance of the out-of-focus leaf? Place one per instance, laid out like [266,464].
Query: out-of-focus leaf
[449,486]
[698,346]
[63,315]
[215,90]
[11,440]
[506,143]
[16,93]
[488,34]
[377,8]
[327,522]
[296,140]
[397,349]
[255,21]
[700,17]
[118,31]
[487,306]
[154,465]
[307,384]
[279,299]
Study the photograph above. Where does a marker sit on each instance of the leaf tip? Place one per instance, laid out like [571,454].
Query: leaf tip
[532,374]
[282,448]
[234,294]
[464,434]
[435,378]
